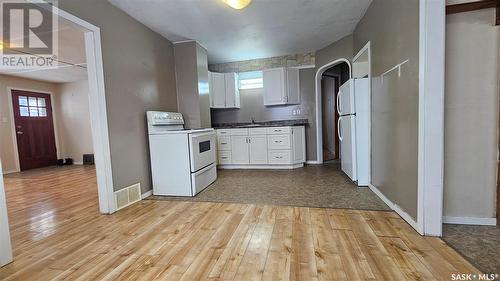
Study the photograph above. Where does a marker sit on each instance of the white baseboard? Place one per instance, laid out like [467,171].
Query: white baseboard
[77,163]
[469,220]
[10,172]
[260,167]
[313,162]
[147,194]
[404,215]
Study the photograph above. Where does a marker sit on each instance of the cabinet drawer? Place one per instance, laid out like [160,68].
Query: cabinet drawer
[278,130]
[278,142]
[239,132]
[224,143]
[223,132]
[224,157]
[257,131]
[279,157]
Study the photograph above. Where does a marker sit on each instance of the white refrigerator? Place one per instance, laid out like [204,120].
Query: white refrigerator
[353,129]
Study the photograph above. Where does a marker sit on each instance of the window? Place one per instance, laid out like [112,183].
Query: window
[32,107]
[250,80]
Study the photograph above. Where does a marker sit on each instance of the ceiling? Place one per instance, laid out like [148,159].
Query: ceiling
[71,52]
[266,28]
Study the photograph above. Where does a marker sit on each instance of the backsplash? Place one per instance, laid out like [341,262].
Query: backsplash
[266,63]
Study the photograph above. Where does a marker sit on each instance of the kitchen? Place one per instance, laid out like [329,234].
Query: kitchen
[263,115]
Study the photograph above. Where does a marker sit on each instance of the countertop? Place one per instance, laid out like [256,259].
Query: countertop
[278,123]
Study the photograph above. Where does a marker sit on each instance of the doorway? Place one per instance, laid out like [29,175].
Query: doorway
[100,177]
[331,80]
[34,129]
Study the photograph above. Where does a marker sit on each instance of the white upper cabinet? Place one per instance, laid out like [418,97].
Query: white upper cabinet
[218,90]
[232,90]
[281,86]
[224,90]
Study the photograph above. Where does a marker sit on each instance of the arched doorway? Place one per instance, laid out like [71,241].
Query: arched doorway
[319,103]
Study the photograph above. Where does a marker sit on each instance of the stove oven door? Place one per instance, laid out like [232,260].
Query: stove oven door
[202,150]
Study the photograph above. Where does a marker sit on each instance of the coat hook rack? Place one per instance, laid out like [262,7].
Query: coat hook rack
[397,66]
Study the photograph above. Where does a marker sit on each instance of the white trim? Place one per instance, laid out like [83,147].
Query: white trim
[431,116]
[13,121]
[77,162]
[469,220]
[5,244]
[99,122]
[404,215]
[313,162]
[367,48]
[319,130]
[260,167]
[147,194]
[10,172]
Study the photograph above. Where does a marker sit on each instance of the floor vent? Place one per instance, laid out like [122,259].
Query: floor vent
[127,196]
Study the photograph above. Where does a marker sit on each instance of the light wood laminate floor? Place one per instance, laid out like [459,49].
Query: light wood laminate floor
[58,234]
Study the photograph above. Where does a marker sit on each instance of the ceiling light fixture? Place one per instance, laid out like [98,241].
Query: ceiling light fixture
[237,4]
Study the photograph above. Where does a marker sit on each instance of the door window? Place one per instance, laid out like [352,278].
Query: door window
[32,106]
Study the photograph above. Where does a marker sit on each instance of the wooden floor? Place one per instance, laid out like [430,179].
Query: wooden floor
[58,234]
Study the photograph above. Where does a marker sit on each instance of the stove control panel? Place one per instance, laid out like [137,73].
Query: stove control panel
[158,118]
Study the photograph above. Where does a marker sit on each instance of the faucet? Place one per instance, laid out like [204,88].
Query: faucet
[253,120]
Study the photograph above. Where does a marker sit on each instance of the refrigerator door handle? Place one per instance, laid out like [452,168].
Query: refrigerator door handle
[338,103]
[338,128]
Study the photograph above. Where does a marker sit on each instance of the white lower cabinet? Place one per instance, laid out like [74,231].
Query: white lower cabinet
[239,150]
[263,147]
[258,149]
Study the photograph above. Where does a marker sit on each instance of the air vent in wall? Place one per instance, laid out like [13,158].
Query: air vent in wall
[127,196]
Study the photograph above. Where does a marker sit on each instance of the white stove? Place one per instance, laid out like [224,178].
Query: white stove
[183,161]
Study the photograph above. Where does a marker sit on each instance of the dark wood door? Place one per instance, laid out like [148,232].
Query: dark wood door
[34,125]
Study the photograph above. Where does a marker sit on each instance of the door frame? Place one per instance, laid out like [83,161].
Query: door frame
[98,121]
[368,49]
[337,79]
[13,127]
[432,21]
[5,242]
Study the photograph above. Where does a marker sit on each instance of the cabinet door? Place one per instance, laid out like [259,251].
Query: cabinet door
[274,86]
[292,86]
[218,90]
[258,149]
[298,145]
[232,91]
[239,150]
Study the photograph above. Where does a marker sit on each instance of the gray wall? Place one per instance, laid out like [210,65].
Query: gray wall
[392,28]
[471,113]
[139,76]
[191,71]
[341,49]
[252,106]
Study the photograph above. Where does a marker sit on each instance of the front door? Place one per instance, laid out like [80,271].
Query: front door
[36,143]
